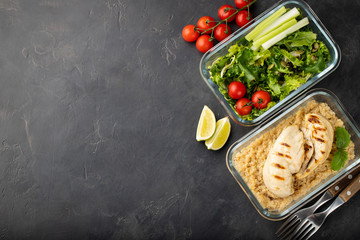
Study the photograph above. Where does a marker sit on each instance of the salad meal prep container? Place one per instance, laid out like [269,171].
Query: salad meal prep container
[321,96]
[221,49]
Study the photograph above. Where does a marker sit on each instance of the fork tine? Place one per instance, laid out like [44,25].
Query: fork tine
[310,234]
[291,218]
[302,226]
[289,229]
[305,233]
[288,224]
[302,229]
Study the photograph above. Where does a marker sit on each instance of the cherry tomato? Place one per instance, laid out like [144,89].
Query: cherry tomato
[226,11]
[243,106]
[222,31]
[237,90]
[242,3]
[242,18]
[205,23]
[204,43]
[261,99]
[190,34]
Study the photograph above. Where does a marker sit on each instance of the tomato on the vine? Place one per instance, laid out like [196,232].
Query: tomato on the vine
[243,106]
[237,90]
[205,23]
[222,31]
[261,99]
[242,3]
[204,43]
[226,11]
[243,17]
[190,34]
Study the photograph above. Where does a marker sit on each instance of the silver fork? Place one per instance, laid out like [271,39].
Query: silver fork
[312,223]
[294,220]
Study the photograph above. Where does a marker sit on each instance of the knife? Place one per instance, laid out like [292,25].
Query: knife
[346,194]
[342,183]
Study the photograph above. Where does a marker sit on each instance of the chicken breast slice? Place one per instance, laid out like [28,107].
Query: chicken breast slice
[277,176]
[322,136]
[284,159]
[290,146]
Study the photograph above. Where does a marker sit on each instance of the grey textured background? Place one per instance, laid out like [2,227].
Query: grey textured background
[99,103]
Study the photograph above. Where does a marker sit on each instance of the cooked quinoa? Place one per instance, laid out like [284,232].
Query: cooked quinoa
[250,161]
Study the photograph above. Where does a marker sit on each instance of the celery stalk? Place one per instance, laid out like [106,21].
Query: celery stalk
[303,22]
[293,13]
[264,24]
[257,43]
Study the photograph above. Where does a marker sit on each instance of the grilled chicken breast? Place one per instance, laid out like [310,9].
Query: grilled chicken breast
[321,135]
[277,177]
[284,159]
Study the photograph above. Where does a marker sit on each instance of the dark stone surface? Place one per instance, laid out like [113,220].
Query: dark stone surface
[99,103]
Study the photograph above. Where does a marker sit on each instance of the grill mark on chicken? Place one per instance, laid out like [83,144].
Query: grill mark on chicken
[284,155]
[285,144]
[279,178]
[320,129]
[280,154]
[307,147]
[313,119]
[319,139]
[279,166]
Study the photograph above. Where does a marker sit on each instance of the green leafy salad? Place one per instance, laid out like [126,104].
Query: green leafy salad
[278,56]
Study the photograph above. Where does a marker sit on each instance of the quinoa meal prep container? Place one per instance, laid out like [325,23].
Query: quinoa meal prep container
[221,49]
[321,96]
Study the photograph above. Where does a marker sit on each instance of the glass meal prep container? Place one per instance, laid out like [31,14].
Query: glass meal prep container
[221,49]
[321,96]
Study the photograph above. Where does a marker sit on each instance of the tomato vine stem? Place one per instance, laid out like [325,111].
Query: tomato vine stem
[205,31]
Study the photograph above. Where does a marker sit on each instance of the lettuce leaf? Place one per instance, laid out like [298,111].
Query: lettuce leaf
[295,61]
[299,39]
[293,82]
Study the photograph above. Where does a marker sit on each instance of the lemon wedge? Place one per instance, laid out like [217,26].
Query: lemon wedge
[220,136]
[207,124]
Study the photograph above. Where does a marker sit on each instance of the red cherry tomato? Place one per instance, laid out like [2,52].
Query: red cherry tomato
[226,11]
[242,3]
[204,43]
[190,34]
[237,90]
[205,23]
[243,106]
[261,99]
[222,31]
[243,17]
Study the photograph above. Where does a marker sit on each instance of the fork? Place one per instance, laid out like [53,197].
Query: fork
[294,220]
[312,223]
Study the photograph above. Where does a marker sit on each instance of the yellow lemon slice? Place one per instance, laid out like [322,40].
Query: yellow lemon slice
[220,136]
[207,124]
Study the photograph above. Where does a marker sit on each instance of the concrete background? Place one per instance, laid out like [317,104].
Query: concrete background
[99,103]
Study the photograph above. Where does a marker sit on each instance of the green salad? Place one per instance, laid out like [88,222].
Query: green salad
[278,56]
